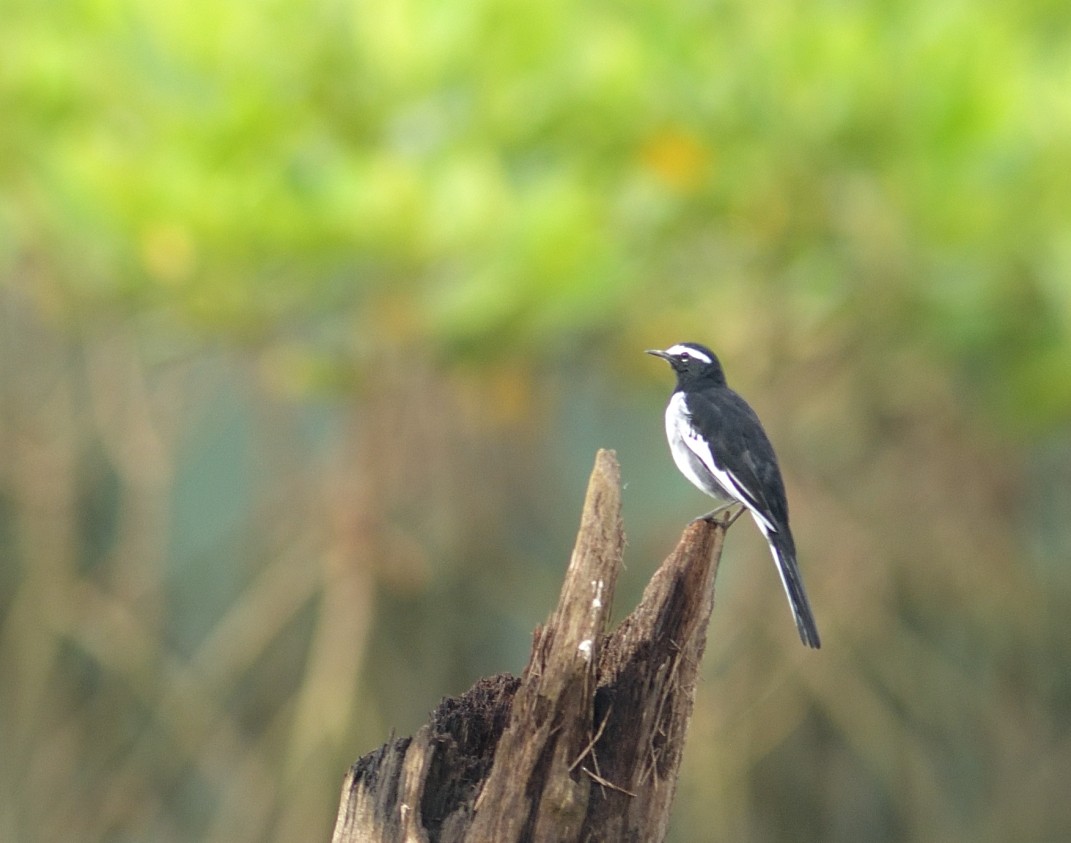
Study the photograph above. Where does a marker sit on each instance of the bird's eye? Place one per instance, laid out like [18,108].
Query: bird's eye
[684,356]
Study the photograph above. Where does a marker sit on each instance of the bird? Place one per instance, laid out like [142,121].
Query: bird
[719,444]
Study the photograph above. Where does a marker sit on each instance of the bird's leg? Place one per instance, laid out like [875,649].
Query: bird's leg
[710,516]
[727,522]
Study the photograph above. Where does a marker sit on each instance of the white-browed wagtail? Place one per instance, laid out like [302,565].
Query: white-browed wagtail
[719,444]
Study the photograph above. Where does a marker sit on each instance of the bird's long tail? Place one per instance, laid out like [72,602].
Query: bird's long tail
[784,552]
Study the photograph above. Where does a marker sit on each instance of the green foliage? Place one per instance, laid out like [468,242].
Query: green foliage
[500,171]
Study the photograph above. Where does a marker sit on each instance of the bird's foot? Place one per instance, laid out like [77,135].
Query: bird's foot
[730,517]
[725,521]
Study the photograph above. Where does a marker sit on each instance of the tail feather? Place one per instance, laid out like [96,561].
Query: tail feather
[784,552]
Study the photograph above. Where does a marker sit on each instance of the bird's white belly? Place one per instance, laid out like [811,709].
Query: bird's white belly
[689,463]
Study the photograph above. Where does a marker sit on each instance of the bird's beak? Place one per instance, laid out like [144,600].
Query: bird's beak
[658,353]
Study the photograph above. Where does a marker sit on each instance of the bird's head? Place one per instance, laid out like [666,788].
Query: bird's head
[693,363]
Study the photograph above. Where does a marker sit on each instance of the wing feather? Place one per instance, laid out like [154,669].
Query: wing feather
[728,438]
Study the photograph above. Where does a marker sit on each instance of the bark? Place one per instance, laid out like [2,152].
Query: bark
[587,744]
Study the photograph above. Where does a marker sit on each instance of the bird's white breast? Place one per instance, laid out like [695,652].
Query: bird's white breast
[690,453]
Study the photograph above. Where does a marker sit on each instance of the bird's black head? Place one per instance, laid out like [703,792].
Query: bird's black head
[695,364]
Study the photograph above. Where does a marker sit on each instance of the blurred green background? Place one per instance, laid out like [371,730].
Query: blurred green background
[312,316]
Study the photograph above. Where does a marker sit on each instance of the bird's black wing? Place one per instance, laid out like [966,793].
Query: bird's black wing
[727,436]
[731,441]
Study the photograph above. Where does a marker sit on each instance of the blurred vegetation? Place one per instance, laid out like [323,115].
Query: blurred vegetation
[312,316]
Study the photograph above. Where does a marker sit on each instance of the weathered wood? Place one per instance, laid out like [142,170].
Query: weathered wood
[647,680]
[587,744]
[423,787]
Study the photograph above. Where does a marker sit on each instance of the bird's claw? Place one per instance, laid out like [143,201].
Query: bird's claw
[725,522]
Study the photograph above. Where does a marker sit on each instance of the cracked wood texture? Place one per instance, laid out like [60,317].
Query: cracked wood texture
[586,745]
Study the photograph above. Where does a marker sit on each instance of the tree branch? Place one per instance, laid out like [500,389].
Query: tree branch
[587,743]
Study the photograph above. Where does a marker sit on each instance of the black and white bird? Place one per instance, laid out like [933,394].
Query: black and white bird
[719,444]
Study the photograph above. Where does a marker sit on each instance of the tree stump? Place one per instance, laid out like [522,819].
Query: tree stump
[586,745]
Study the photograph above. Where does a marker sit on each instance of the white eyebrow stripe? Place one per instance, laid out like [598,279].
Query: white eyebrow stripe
[691,352]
